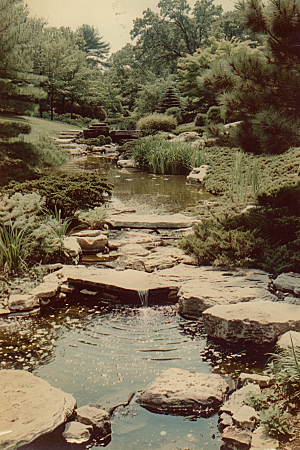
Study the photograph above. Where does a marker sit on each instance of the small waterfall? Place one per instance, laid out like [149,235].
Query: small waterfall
[144,298]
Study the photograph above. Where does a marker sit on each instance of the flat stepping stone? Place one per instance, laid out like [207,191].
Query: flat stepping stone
[172,221]
[256,323]
[30,407]
[183,392]
[217,288]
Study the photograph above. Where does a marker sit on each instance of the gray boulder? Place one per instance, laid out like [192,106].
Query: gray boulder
[257,323]
[197,175]
[288,282]
[30,407]
[183,392]
[235,438]
[98,418]
[77,433]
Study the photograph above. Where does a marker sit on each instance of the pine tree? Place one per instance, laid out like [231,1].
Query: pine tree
[18,86]
[260,84]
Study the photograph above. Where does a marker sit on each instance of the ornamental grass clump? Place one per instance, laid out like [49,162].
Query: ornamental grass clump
[156,122]
[156,155]
[13,248]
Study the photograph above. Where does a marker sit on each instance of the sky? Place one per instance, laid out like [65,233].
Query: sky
[113,19]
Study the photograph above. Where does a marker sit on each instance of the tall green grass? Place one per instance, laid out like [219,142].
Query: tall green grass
[156,155]
[13,248]
[245,178]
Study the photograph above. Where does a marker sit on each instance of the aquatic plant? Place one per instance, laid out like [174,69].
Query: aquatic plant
[157,155]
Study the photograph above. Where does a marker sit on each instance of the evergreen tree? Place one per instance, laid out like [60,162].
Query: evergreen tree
[260,84]
[93,45]
[18,34]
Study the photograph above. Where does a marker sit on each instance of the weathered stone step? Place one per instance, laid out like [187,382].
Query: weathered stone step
[172,221]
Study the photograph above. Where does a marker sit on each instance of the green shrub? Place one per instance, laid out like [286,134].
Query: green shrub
[175,112]
[76,120]
[200,120]
[97,142]
[155,154]
[68,192]
[214,114]
[277,422]
[94,218]
[27,233]
[156,122]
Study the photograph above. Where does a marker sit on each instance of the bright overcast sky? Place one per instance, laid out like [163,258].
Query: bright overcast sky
[112,19]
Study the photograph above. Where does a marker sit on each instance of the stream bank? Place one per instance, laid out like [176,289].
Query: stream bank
[81,297]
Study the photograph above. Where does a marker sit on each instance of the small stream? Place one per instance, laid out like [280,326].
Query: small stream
[92,350]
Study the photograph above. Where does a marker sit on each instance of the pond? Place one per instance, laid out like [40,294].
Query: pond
[146,193]
[92,351]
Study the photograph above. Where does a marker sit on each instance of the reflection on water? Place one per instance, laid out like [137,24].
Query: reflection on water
[98,351]
[147,193]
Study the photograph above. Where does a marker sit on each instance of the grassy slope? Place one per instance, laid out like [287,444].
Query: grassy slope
[51,128]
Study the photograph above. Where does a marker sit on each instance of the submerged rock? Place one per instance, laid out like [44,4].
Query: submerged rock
[110,402]
[98,418]
[77,433]
[30,407]
[252,323]
[183,392]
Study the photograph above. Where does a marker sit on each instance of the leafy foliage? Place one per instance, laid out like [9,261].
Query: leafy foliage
[68,192]
[277,421]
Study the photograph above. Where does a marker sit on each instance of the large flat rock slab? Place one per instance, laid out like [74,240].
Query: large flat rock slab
[127,285]
[218,288]
[257,323]
[150,221]
[183,392]
[30,407]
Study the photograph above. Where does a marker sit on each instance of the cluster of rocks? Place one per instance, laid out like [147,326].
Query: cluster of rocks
[24,416]
[175,391]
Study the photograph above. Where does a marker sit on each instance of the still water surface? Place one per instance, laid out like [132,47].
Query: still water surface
[91,352]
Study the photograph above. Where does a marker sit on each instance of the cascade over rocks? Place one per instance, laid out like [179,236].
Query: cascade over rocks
[30,407]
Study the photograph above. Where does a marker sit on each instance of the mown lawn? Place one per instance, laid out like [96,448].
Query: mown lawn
[39,126]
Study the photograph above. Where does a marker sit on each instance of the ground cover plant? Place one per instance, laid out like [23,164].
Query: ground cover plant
[278,405]
[157,155]
[66,192]
[267,234]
